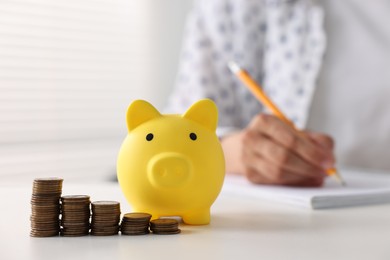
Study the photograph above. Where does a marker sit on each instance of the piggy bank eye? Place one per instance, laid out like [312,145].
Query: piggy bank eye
[193,136]
[149,137]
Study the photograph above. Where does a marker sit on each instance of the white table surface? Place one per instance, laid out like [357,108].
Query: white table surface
[241,228]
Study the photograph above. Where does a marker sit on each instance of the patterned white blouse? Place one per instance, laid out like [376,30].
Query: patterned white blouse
[280,43]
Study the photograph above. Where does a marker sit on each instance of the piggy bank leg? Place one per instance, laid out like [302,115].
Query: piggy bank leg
[197,217]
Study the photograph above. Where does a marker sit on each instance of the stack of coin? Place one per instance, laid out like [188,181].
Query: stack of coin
[75,214]
[105,218]
[165,226]
[135,224]
[45,207]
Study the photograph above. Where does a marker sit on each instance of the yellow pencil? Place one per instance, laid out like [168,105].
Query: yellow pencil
[257,91]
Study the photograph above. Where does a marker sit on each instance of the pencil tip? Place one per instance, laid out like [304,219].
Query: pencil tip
[233,67]
[340,179]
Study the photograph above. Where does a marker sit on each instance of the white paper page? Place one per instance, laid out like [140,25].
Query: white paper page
[363,188]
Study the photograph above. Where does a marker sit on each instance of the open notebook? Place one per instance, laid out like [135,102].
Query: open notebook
[363,188]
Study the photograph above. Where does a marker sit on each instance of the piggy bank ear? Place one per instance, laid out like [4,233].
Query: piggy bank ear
[139,112]
[204,112]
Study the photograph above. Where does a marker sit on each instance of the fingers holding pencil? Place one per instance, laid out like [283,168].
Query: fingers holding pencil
[311,151]
[274,154]
[325,141]
[257,91]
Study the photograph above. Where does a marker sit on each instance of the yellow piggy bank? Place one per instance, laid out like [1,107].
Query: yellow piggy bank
[172,165]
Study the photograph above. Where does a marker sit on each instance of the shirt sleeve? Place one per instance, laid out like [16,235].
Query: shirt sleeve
[203,71]
[189,84]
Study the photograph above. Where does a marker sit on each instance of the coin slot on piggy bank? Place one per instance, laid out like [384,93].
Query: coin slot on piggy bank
[172,165]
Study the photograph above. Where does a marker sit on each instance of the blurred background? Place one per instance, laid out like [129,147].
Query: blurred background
[68,71]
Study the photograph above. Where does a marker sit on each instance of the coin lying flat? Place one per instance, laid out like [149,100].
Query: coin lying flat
[136,223]
[70,215]
[165,226]
[105,218]
[45,207]
[75,215]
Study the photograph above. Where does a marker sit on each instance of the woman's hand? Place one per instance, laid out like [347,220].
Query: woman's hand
[269,151]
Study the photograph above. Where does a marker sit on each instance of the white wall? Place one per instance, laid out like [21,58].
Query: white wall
[69,69]
[164,22]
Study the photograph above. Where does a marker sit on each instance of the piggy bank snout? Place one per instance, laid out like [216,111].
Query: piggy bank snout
[169,170]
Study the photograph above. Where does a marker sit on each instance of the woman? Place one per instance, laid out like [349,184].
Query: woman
[282,45]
